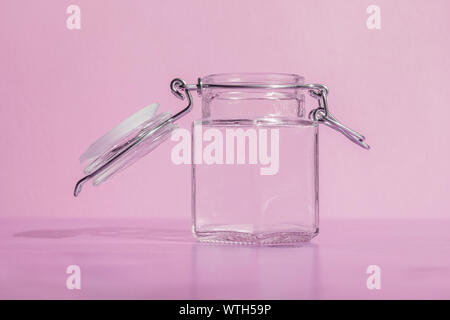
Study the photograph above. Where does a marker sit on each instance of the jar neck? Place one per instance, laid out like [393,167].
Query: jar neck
[252,103]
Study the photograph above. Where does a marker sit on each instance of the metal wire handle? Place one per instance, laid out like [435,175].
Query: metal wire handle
[317,91]
[323,115]
[182,90]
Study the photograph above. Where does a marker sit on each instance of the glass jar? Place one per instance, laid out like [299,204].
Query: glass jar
[255,162]
[255,176]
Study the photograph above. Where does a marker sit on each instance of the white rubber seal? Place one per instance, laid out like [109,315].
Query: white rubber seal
[111,138]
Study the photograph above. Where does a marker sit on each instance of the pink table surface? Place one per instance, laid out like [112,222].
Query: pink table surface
[159,259]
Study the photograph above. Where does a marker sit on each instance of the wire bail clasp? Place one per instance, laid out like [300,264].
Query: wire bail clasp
[323,115]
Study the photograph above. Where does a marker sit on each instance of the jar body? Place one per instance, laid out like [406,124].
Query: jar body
[255,164]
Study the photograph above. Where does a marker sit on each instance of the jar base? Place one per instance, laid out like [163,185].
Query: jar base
[259,239]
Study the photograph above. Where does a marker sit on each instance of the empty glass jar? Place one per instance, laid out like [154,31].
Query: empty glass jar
[255,162]
[254,155]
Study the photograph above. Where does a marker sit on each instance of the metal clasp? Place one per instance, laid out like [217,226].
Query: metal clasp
[323,115]
[318,91]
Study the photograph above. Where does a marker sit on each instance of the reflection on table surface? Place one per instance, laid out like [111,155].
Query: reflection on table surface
[159,259]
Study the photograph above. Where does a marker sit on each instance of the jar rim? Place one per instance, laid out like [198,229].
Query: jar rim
[253,78]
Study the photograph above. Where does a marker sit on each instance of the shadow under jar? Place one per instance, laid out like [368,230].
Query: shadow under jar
[255,161]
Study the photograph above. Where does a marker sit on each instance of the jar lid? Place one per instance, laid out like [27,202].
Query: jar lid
[125,144]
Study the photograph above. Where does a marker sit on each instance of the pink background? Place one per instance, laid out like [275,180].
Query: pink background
[61,89]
